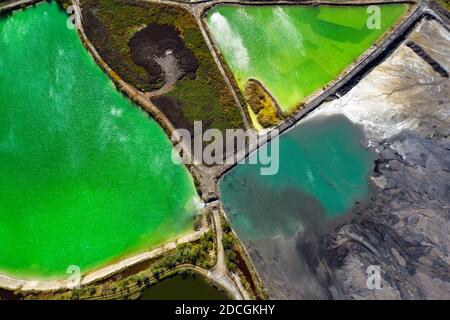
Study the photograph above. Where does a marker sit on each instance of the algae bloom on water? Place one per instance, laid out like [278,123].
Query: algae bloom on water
[294,50]
[85,176]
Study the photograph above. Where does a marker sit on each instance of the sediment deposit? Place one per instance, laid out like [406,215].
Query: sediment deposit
[403,106]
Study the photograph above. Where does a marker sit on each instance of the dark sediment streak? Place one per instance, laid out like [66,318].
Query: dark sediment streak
[433,63]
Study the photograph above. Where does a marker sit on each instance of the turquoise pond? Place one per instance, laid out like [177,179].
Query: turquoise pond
[324,170]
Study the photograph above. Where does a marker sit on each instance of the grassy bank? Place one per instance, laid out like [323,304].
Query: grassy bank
[110,24]
[445,4]
[130,283]
[239,263]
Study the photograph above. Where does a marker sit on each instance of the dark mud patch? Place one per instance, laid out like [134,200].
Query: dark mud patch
[157,41]
[134,39]
[173,109]
[288,262]
[100,38]
[433,63]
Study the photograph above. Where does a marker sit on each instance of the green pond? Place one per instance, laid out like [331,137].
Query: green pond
[85,176]
[294,50]
[186,287]
[323,171]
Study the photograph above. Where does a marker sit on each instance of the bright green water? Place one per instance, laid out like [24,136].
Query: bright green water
[323,172]
[294,51]
[85,176]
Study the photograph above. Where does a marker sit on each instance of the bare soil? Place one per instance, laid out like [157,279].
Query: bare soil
[156,41]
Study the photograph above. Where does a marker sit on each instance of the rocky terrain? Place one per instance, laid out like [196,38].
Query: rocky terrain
[403,105]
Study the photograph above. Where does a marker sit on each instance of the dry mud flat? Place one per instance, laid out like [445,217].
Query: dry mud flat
[403,106]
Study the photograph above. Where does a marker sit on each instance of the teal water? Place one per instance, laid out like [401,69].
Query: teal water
[323,171]
[85,176]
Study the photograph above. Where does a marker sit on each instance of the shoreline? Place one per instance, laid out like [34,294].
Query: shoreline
[13,283]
